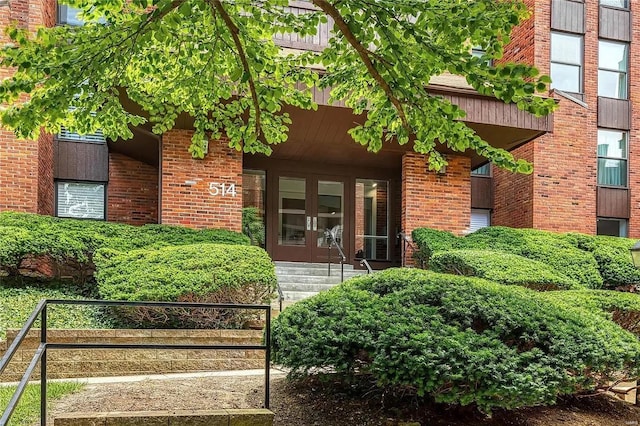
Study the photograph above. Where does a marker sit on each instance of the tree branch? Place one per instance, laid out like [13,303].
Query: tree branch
[234,30]
[363,52]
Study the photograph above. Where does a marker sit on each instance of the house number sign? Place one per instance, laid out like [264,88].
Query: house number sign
[218,189]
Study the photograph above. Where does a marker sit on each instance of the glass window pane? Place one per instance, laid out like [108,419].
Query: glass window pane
[292,211]
[69,15]
[253,205]
[613,56]
[372,218]
[612,172]
[612,84]
[624,4]
[612,143]
[565,77]
[330,212]
[612,227]
[80,200]
[482,170]
[566,48]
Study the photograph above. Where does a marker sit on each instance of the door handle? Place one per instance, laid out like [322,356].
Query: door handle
[315,223]
[308,223]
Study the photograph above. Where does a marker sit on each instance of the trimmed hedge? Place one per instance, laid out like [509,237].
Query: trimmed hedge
[504,268]
[559,253]
[621,307]
[458,339]
[71,243]
[194,273]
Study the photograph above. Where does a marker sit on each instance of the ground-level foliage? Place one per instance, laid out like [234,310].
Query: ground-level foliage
[28,410]
[456,339]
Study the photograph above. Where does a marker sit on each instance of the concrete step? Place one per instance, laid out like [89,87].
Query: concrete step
[294,296]
[305,287]
[335,271]
[313,279]
[307,265]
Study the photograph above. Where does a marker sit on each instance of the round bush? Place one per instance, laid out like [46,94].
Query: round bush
[213,273]
[501,267]
[458,339]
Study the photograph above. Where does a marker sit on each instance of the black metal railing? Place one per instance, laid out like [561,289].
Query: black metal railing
[280,296]
[332,242]
[41,352]
[406,243]
[365,263]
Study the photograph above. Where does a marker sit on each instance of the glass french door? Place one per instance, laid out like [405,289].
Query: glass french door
[306,207]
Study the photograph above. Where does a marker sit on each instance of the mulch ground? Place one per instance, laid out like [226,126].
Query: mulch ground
[316,403]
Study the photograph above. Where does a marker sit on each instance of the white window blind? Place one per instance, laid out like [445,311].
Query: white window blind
[67,135]
[80,200]
[480,218]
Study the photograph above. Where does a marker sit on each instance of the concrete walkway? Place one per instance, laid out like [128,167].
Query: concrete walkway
[274,372]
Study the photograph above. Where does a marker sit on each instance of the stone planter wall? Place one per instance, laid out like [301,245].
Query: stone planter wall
[63,363]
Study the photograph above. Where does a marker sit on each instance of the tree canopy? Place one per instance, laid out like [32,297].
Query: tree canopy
[216,60]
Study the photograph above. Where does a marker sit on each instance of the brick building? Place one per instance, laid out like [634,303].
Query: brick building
[584,173]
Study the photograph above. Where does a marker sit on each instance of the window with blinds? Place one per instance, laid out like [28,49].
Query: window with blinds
[480,218]
[83,200]
[67,135]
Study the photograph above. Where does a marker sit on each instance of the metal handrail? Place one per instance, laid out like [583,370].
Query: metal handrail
[332,241]
[406,242]
[248,233]
[365,263]
[41,352]
[280,296]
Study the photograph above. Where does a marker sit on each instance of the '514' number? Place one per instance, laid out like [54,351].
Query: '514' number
[222,189]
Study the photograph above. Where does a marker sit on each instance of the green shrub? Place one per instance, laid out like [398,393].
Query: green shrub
[71,243]
[613,258]
[193,273]
[253,226]
[621,307]
[16,304]
[458,339]
[501,267]
[543,246]
[430,241]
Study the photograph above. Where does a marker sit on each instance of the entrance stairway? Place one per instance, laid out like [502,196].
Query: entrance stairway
[299,280]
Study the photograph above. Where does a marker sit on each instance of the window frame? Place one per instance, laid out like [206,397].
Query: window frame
[625,158]
[612,70]
[56,197]
[611,6]
[580,65]
[615,219]
[489,174]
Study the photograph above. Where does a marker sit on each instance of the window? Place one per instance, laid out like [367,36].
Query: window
[80,200]
[479,52]
[612,157]
[484,170]
[253,205]
[612,227]
[69,15]
[622,4]
[566,62]
[372,219]
[612,69]
[480,218]
[67,135]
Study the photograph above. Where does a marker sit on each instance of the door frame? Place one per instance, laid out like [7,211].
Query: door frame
[310,252]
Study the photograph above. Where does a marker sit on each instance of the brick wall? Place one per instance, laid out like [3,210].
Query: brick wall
[69,363]
[132,192]
[186,199]
[634,134]
[26,167]
[440,201]
[513,194]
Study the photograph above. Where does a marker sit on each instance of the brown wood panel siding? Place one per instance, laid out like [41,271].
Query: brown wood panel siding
[481,192]
[614,113]
[613,202]
[615,24]
[492,111]
[81,161]
[567,15]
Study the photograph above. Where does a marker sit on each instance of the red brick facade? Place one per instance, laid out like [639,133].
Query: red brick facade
[186,197]
[441,201]
[132,192]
